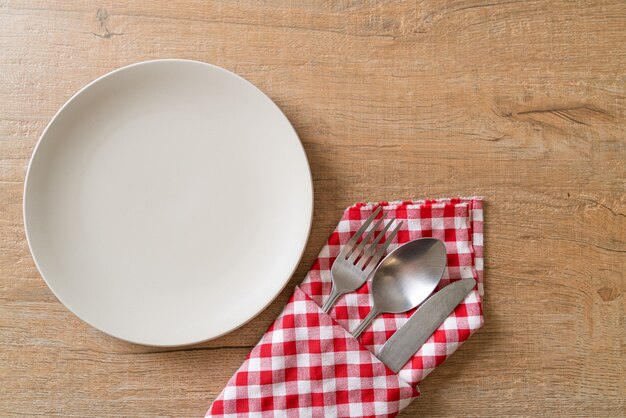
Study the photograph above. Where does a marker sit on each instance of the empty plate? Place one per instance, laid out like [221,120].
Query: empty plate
[168,202]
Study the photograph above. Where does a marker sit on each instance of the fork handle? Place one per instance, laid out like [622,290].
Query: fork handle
[334,295]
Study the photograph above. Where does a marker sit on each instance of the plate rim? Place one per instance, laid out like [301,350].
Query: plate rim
[301,244]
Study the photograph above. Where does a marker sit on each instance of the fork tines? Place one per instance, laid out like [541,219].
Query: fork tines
[362,255]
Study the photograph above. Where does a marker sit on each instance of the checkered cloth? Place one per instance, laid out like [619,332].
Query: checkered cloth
[308,364]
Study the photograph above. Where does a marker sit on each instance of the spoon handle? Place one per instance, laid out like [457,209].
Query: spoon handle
[366,322]
[332,298]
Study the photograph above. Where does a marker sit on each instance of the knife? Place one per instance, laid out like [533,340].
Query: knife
[405,342]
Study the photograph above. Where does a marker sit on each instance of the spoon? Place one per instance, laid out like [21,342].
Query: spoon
[405,278]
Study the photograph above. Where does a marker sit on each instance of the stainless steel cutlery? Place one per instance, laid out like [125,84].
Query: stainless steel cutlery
[404,279]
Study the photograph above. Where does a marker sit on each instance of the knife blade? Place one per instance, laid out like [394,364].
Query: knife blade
[405,342]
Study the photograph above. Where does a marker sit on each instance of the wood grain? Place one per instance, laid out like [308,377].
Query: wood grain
[522,102]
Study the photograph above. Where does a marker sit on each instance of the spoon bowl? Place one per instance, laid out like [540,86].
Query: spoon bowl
[405,278]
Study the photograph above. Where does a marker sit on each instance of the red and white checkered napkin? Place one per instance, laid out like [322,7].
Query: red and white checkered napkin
[308,365]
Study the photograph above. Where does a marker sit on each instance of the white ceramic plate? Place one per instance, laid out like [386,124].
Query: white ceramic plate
[168,202]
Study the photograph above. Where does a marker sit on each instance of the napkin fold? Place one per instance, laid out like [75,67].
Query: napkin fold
[308,363]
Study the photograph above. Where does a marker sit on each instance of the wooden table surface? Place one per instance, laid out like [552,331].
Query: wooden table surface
[521,102]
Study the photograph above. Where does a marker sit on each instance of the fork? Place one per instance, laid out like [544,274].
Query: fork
[355,263]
